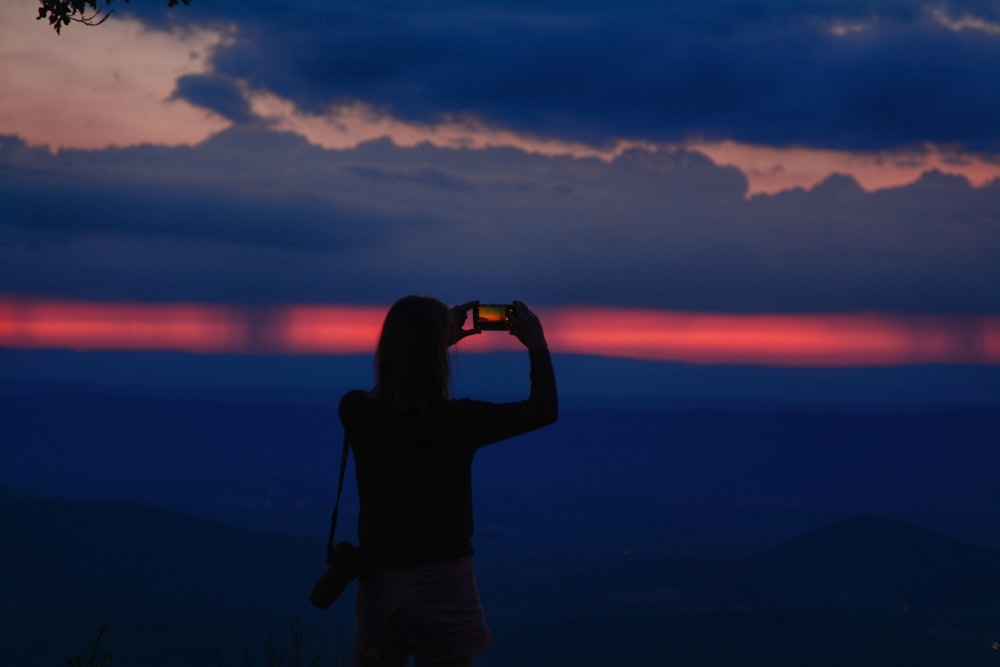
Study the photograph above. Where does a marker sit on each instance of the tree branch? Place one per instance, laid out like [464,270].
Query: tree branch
[63,12]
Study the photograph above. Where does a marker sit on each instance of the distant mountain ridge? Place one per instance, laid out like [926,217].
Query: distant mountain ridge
[700,457]
[490,376]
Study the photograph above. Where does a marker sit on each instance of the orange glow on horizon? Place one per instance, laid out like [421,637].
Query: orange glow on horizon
[860,339]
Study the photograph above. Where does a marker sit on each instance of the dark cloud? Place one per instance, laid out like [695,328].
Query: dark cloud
[258,216]
[216,93]
[758,71]
[425,176]
[161,214]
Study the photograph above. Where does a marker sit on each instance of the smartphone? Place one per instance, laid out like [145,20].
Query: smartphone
[492,317]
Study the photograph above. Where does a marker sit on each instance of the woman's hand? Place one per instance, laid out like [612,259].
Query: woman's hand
[458,316]
[525,325]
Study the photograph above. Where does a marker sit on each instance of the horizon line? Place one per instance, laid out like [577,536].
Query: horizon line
[866,338]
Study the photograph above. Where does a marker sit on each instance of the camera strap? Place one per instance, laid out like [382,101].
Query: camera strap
[336,505]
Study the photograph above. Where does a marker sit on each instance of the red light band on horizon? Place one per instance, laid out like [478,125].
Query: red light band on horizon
[862,339]
[201,328]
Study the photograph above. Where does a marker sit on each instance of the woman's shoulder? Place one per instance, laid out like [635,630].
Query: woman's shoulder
[355,400]
[357,394]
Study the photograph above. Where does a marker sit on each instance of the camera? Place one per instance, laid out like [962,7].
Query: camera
[492,317]
[343,566]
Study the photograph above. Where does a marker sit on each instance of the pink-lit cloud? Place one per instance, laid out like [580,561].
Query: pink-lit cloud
[864,339]
[768,169]
[965,21]
[100,88]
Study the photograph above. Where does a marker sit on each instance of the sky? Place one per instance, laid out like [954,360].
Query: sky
[726,182]
[728,208]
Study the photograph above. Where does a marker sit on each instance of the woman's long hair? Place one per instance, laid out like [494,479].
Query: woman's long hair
[412,371]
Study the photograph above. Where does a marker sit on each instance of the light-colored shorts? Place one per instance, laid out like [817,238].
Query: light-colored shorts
[430,611]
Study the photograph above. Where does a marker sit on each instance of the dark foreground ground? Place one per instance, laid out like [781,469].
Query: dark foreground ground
[191,524]
[175,589]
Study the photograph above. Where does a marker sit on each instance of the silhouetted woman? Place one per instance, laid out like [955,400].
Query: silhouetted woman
[413,447]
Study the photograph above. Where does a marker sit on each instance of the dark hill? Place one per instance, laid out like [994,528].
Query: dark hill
[873,571]
[887,557]
[69,556]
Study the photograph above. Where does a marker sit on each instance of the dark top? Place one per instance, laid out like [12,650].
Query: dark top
[414,472]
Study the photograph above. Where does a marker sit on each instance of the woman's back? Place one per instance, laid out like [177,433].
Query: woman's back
[414,472]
